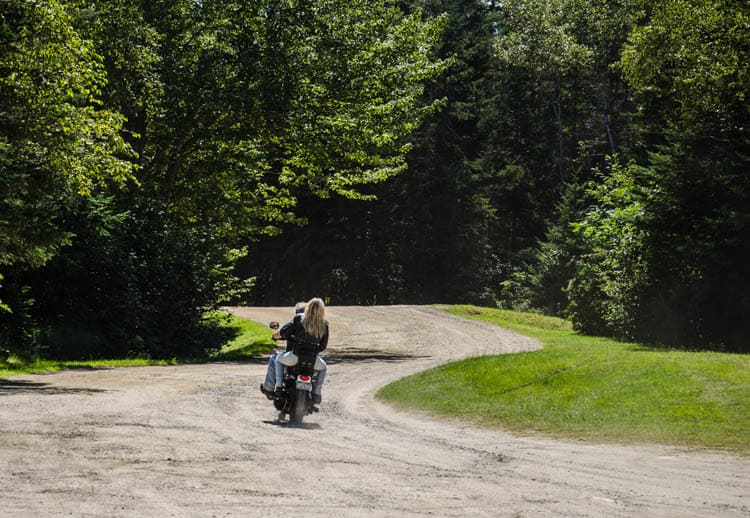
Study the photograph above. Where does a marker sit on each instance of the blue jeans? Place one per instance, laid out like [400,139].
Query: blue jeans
[275,373]
[270,383]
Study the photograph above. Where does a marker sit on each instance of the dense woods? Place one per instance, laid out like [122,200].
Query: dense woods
[586,159]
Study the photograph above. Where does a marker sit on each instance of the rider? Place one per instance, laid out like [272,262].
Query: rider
[269,385]
[307,329]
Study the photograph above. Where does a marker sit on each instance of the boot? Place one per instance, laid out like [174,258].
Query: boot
[266,392]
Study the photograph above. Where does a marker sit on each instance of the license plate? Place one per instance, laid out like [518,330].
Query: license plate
[304,384]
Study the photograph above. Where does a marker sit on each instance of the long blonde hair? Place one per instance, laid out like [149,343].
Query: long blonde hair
[313,319]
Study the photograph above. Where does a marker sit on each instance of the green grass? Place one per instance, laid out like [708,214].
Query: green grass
[250,340]
[590,388]
[243,339]
[14,365]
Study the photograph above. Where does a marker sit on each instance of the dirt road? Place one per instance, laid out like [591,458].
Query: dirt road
[200,440]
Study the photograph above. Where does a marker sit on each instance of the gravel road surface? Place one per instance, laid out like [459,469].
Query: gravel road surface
[200,440]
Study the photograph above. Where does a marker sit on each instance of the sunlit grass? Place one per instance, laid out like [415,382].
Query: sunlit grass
[590,388]
[14,365]
[246,339]
[251,339]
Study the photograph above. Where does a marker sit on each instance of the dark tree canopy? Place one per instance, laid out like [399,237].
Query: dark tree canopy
[157,159]
[590,160]
[138,169]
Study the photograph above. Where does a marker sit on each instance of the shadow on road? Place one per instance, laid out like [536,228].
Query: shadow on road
[356,354]
[286,424]
[8,387]
[257,360]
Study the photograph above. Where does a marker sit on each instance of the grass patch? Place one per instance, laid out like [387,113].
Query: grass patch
[590,388]
[250,338]
[241,339]
[14,365]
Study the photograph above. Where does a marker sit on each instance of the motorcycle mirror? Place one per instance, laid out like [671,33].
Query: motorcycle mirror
[273,325]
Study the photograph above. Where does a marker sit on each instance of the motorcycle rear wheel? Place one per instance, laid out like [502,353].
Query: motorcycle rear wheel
[299,406]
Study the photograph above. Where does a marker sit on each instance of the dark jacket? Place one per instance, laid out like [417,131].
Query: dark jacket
[296,336]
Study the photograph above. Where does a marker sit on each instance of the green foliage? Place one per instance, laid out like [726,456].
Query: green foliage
[689,66]
[235,109]
[661,252]
[558,113]
[677,270]
[439,150]
[56,141]
[428,234]
[557,56]
[53,122]
[57,144]
[596,389]
[544,281]
[539,39]
[612,269]
[134,281]
[354,92]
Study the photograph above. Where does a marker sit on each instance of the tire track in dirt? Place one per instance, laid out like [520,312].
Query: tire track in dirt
[200,440]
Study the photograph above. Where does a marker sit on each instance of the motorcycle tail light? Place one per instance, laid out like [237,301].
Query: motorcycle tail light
[304,378]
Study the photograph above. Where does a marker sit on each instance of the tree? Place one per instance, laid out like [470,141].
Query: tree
[693,121]
[427,234]
[57,142]
[612,272]
[236,109]
[688,286]
[538,39]
[557,115]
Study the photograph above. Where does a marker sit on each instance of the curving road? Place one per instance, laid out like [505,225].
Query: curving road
[200,440]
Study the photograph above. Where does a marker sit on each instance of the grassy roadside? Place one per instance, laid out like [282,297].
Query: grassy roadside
[249,339]
[590,388]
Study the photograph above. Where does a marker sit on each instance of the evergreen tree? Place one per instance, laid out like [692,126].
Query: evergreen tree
[688,282]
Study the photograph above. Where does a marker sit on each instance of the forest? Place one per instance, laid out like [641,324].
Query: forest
[588,159]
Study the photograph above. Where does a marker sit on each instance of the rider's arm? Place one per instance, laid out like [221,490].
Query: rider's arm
[287,329]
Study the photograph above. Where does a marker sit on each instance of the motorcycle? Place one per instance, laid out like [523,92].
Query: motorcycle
[295,399]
